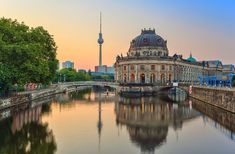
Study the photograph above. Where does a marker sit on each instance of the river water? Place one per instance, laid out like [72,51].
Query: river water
[96,122]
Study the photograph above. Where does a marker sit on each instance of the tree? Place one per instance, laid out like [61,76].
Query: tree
[71,75]
[27,55]
[83,76]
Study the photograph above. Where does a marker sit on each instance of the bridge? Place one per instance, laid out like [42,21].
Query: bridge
[221,97]
[71,86]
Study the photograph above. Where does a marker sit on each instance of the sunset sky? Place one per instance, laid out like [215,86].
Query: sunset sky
[204,27]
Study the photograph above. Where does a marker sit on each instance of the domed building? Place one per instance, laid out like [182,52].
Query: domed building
[148,64]
[191,58]
[148,43]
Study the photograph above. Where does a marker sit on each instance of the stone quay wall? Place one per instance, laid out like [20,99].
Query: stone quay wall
[220,97]
[27,97]
[224,118]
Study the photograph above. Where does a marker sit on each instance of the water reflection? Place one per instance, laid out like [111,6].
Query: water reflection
[151,124]
[22,130]
[147,119]
[177,95]
[219,119]
[88,96]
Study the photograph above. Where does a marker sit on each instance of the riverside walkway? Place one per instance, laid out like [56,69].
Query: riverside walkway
[28,96]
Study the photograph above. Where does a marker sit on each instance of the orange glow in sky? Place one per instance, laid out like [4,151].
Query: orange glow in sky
[206,31]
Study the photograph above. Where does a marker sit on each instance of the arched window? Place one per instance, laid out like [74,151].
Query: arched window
[133,77]
[124,79]
[152,78]
[142,78]
[170,77]
[162,77]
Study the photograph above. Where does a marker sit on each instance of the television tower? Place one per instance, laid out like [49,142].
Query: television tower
[100,41]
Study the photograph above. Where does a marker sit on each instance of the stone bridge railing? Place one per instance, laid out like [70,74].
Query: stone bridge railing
[70,86]
[88,83]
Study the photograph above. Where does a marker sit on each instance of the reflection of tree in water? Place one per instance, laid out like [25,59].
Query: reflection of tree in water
[32,138]
[24,133]
[79,95]
[75,95]
[46,109]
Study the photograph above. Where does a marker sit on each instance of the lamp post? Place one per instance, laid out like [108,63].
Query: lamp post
[64,77]
[174,59]
[203,67]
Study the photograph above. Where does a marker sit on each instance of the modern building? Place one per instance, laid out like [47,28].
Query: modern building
[110,70]
[105,69]
[101,69]
[68,64]
[148,62]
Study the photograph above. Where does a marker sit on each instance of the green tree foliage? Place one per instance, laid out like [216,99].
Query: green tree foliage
[71,75]
[26,54]
[103,77]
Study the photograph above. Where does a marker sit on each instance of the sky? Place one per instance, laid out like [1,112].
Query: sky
[206,28]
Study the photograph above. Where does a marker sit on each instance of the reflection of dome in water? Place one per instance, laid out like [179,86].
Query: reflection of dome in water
[148,138]
[147,120]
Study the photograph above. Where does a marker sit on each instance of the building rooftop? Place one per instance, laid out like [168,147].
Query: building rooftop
[148,38]
[191,58]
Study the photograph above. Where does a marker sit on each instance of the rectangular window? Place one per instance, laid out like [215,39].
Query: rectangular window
[124,68]
[141,67]
[152,67]
[163,67]
[170,68]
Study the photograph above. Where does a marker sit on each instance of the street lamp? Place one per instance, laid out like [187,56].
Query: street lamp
[203,67]
[64,77]
[174,59]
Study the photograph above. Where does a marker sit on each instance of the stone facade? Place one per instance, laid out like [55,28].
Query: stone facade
[148,61]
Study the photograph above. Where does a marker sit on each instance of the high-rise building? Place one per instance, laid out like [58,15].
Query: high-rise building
[68,64]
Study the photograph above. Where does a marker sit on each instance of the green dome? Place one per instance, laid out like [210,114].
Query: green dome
[191,59]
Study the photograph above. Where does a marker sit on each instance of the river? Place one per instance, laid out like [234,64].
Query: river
[94,121]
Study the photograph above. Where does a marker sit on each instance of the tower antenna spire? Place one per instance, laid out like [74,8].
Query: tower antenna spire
[100,22]
[100,41]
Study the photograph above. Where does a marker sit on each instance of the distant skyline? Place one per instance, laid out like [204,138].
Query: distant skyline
[206,28]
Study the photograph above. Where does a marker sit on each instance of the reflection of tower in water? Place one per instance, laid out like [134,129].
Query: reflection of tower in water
[99,124]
